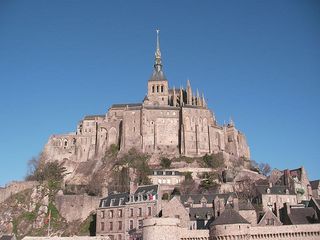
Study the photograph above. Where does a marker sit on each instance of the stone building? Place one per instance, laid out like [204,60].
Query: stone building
[167,179]
[120,215]
[315,186]
[231,225]
[171,121]
[274,197]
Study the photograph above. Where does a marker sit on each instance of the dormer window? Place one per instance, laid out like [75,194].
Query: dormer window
[268,190]
[121,201]
[287,191]
[112,203]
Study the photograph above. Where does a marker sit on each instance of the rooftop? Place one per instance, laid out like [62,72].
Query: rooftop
[229,216]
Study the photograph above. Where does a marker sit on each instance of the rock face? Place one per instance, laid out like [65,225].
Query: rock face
[171,122]
[24,211]
[76,207]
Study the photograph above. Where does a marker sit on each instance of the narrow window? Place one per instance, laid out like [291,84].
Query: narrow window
[140,224]
[102,226]
[120,213]
[149,211]
[111,226]
[157,88]
[120,225]
[161,88]
[111,214]
[131,224]
[102,214]
[152,89]
[140,212]
[131,212]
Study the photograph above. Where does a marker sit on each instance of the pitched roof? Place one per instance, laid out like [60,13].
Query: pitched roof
[93,117]
[147,189]
[301,215]
[123,105]
[245,205]
[277,189]
[269,215]
[210,197]
[158,76]
[200,213]
[113,200]
[229,216]
[315,184]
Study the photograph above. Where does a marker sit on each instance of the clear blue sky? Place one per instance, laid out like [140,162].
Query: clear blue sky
[256,61]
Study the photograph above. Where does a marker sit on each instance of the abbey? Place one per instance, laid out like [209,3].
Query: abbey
[168,121]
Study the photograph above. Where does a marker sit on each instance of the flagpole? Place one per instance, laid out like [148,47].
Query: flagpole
[49,223]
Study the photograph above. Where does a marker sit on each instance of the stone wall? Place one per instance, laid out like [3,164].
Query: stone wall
[15,187]
[76,207]
[169,228]
[68,238]
[284,232]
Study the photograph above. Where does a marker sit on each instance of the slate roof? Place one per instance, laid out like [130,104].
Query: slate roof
[123,105]
[147,189]
[114,199]
[302,215]
[315,184]
[229,216]
[157,76]
[200,213]
[210,197]
[274,190]
[93,117]
[245,205]
[318,202]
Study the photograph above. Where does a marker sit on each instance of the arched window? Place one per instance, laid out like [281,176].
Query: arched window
[157,88]
[152,89]
[161,88]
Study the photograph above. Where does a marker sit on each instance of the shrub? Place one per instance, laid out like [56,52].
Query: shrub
[165,196]
[213,161]
[165,162]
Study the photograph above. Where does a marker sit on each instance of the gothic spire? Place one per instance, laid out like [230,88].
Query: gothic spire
[157,74]
[157,62]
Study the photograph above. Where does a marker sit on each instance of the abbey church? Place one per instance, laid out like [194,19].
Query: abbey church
[169,121]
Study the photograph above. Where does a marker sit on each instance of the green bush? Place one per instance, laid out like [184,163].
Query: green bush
[165,196]
[213,161]
[165,162]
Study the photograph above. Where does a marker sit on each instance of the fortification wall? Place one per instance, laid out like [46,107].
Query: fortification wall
[284,232]
[170,228]
[76,207]
[15,187]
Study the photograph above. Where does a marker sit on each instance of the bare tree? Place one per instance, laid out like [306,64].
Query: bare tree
[246,189]
[265,168]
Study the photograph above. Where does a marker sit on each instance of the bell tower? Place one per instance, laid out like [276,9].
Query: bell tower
[158,84]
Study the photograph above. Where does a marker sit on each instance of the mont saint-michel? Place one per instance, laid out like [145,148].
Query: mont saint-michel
[169,122]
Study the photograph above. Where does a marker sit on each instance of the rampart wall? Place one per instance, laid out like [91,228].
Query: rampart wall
[15,187]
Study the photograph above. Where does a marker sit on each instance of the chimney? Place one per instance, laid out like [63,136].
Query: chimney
[287,208]
[236,204]
[104,190]
[133,187]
